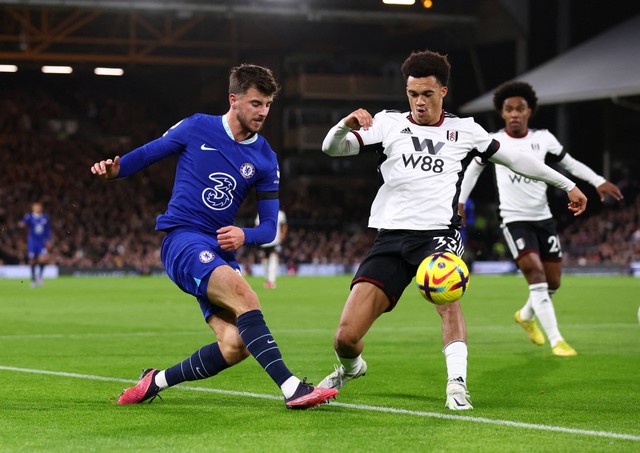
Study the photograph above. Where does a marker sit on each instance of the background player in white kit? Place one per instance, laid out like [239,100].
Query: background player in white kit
[528,225]
[424,153]
[271,252]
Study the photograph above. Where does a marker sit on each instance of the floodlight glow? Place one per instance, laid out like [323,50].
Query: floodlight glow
[108,71]
[399,2]
[57,69]
[8,68]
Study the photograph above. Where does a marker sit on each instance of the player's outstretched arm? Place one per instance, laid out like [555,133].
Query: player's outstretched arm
[577,201]
[609,188]
[107,169]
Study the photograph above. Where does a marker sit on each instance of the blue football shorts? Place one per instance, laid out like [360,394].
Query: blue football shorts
[189,257]
[36,249]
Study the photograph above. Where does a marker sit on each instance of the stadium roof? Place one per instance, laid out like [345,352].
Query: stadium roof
[218,32]
[605,67]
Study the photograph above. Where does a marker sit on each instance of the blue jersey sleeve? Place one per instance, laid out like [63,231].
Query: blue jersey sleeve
[266,231]
[152,152]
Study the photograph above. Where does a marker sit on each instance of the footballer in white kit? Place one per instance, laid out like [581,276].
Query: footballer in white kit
[528,225]
[424,153]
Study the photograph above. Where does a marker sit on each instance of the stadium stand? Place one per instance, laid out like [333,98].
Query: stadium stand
[49,143]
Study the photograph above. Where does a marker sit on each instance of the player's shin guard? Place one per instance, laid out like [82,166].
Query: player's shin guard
[204,363]
[544,310]
[262,346]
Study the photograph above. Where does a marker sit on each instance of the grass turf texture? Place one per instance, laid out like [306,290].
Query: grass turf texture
[71,333]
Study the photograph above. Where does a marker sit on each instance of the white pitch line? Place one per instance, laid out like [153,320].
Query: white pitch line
[363,407]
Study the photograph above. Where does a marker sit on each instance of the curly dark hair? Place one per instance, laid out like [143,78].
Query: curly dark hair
[515,88]
[425,64]
[245,76]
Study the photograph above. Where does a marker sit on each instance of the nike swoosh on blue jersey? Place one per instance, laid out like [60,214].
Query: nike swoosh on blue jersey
[206,148]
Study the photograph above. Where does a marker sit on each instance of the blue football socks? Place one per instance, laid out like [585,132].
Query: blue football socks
[262,346]
[205,362]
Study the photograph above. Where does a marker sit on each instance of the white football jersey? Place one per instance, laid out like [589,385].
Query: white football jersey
[521,198]
[422,169]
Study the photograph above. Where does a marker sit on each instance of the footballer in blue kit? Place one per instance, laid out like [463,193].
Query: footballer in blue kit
[38,240]
[221,159]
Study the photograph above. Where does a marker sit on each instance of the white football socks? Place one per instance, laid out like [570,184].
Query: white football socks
[351,365]
[455,354]
[290,386]
[161,380]
[272,267]
[544,311]
[526,312]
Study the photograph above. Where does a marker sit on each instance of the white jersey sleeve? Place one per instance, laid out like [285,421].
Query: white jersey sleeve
[422,168]
[577,168]
[471,175]
[339,142]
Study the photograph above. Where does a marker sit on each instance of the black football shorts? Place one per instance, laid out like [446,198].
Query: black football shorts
[533,237]
[392,262]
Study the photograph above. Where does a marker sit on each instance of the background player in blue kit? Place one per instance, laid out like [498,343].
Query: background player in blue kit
[220,159]
[38,241]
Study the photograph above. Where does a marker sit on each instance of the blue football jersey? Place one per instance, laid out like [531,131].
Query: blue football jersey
[214,173]
[38,227]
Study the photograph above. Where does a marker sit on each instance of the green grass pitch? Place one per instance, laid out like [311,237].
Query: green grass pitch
[69,348]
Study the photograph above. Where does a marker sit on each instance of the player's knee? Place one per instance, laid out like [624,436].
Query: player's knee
[534,276]
[554,285]
[345,339]
[248,300]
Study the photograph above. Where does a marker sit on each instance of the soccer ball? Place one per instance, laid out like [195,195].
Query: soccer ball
[442,278]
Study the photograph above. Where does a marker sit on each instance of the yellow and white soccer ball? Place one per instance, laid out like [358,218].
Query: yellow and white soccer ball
[442,278]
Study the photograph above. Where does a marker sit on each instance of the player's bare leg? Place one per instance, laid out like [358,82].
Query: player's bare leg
[365,304]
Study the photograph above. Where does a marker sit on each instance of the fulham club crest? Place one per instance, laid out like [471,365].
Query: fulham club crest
[452,136]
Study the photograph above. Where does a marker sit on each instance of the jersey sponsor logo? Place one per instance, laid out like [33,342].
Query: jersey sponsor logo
[424,163]
[206,256]
[452,136]
[204,147]
[220,196]
[426,144]
[247,170]
[406,130]
[535,146]
[515,179]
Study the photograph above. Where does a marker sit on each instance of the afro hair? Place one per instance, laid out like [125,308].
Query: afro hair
[512,89]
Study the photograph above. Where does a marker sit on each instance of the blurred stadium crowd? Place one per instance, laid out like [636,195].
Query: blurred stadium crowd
[48,143]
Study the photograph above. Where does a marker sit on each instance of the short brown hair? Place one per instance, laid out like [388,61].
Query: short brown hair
[245,76]
[425,64]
